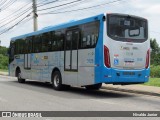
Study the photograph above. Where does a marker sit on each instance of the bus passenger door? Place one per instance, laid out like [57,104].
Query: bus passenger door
[71,57]
[71,51]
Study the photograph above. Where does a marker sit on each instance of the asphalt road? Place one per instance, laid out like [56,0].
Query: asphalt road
[37,96]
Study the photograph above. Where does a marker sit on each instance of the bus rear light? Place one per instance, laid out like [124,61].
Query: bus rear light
[106,57]
[147,59]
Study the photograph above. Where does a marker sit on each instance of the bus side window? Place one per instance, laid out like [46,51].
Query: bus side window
[68,40]
[84,42]
[25,46]
[88,41]
[54,42]
[60,44]
[45,40]
[89,34]
[30,45]
[93,38]
[57,41]
[37,43]
[96,37]
[50,42]
[12,51]
[16,47]
[75,39]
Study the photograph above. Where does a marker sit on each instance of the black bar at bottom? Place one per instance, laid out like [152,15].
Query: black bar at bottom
[79,113]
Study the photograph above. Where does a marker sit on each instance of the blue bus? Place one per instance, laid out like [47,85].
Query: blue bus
[107,48]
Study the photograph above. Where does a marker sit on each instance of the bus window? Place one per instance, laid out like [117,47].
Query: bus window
[88,41]
[57,41]
[37,43]
[124,28]
[25,45]
[15,47]
[68,40]
[45,41]
[11,51]
[83,43]
[94,38]
[29,44]
[50,41]
[21,47]
[89,34]
[75,40]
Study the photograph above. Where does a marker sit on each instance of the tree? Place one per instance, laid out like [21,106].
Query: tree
[155,53]
[154,46]
[3,58]
[3,50]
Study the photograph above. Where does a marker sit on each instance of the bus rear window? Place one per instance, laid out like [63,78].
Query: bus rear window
[127,28]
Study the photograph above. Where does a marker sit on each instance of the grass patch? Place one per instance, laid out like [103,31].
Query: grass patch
[3,70]
[153,82]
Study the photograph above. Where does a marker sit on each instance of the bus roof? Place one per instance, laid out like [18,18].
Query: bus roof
[60,26]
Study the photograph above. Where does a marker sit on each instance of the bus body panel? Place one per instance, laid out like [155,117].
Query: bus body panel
[86,67]
[125,55]
[99,61]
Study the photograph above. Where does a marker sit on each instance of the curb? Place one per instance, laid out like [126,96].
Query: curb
[131,91]
[5,74]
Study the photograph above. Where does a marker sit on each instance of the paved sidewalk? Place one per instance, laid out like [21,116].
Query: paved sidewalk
[3,73]
[140,89]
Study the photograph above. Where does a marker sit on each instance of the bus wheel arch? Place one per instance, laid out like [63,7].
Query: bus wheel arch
[17,71]
[56,79]
[19,76]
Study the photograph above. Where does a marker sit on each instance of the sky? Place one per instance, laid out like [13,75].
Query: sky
[149,9]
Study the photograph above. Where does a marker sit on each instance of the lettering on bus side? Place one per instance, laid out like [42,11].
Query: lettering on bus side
[124,48]
[90,61]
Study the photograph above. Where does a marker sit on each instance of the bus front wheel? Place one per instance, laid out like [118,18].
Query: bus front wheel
[94,87]
[19,77]
[57,80]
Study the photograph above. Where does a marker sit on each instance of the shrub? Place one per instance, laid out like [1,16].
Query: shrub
[155,71]
[3,62]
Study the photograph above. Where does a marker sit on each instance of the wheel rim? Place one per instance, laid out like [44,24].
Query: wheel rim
[56,81]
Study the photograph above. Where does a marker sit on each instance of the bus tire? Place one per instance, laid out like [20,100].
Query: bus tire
[57,81]
[20,79]
[94,87]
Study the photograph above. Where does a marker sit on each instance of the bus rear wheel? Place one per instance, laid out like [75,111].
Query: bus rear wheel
[57,81]
[94,87]
[19,77]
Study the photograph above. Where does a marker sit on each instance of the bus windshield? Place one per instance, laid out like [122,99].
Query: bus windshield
[127,28]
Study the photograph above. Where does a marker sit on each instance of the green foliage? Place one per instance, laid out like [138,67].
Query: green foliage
[154,46]
[153,82]
[3,58]
[3,51]
[155,71]
[155,53]
[155,59]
